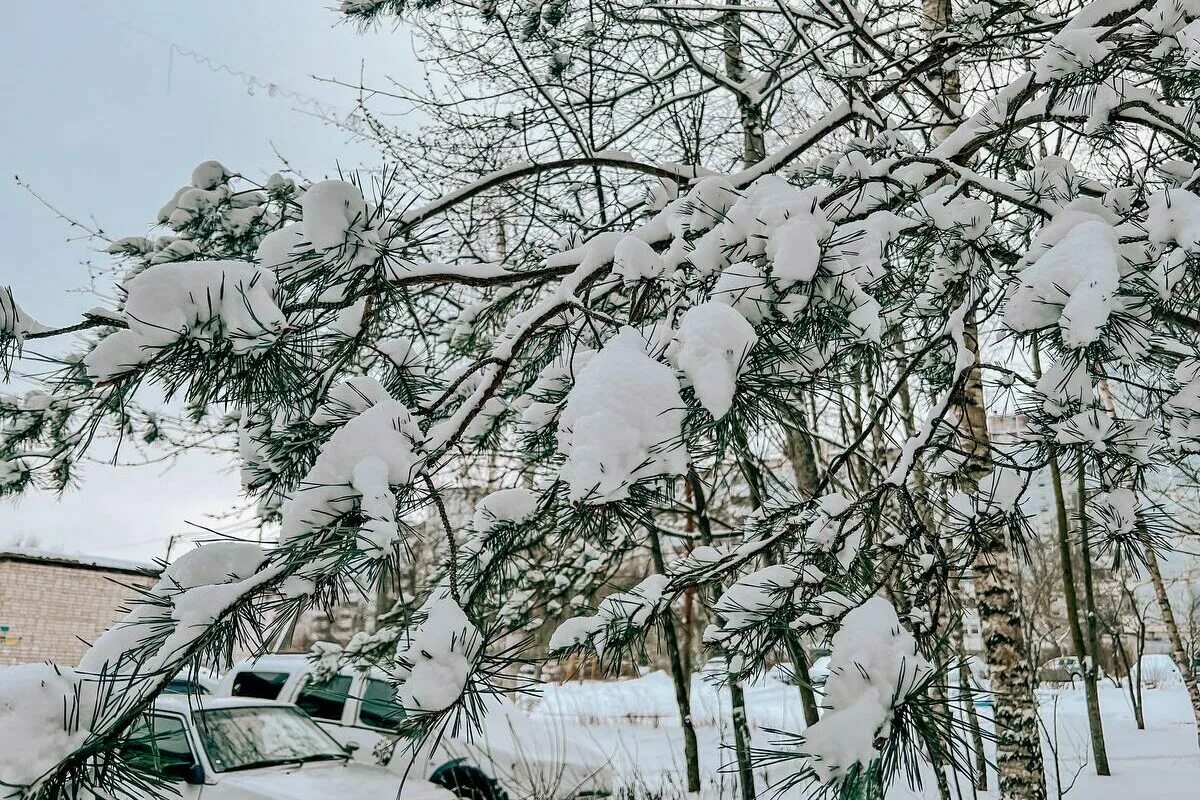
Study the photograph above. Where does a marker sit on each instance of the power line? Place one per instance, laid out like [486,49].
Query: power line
[274,89]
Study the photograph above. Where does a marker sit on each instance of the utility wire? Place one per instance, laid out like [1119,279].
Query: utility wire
[274,89]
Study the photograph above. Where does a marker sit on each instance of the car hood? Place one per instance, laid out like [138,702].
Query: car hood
[323,781]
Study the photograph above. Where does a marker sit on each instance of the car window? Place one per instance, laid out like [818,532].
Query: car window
[263,685]
[159,744]
[325,700]
[184,686]
[261,736]
[379,708]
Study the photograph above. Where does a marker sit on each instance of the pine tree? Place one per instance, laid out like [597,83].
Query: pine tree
[365,347]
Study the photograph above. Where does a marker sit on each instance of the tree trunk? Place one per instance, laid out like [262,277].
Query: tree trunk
[681,679]
[804,469]
[1091,665]
[1130,679]
[741,730]
[966,696]
[754,148]
[797,441]
[1018,742]
[1071,597]
[1177,651]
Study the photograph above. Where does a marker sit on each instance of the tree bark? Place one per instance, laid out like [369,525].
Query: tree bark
[1091,665]
[681,680]
[1071,597]
[1018,741]
[1177,651]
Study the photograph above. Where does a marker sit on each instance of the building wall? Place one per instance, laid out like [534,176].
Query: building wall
[45,606]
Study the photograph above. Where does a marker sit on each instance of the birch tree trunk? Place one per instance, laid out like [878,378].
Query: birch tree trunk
[1177,651]
[1018,742]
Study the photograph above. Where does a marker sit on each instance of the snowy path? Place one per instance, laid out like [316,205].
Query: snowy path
[635,722]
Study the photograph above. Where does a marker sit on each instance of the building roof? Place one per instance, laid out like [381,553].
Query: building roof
[78,561]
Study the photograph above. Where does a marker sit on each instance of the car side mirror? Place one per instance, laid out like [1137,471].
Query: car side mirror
[194,776]
[351,748]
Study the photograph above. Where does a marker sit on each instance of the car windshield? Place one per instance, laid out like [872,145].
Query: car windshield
[242,738]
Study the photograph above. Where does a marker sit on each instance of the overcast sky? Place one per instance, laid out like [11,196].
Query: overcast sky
[105,107]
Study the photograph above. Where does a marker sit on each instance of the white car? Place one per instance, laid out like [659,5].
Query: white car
[227,749]
[513,754]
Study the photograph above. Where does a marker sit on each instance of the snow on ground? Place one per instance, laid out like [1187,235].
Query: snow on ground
[636,722]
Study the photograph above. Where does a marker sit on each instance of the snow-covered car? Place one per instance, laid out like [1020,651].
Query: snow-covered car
[513,753]
[239,749]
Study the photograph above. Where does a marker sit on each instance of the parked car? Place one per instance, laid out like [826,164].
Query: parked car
[513,754]
[187,682]
[245,749]
[1064,669]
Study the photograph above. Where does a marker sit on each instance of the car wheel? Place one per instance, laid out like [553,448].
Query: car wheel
[468,783]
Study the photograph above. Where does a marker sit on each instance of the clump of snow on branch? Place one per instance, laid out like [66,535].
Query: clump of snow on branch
[504,506]
[15,322]
[1173,217]
[205,302]
[755,597]
[710,349]
[198,586]
[1073,285]
[874,667]
[376,448]
[622,422]
[617,614]
[34,733]
[435,657]
[48,712]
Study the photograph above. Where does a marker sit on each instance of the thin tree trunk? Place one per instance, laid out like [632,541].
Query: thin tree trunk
[798,442]
[1091,665]
[804,470]
[1134,700]
[741,730]
[1071,597]
[682,681]
[966,695]
[1177,651]
[753,151]
[1164,607]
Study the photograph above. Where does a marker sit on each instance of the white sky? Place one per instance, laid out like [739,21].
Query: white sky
[104,113]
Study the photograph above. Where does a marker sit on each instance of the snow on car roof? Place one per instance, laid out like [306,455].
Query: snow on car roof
[189,703]
[292,662]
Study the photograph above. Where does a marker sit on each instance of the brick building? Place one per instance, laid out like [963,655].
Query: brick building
[50,601]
